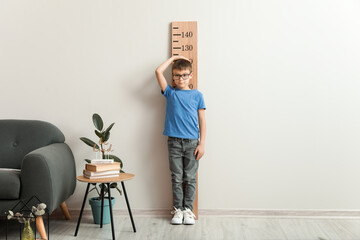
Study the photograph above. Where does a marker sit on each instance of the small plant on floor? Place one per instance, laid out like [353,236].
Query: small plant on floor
[103,135]
[39,210]
[28,233]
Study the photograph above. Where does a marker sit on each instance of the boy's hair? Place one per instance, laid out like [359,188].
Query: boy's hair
[182,64]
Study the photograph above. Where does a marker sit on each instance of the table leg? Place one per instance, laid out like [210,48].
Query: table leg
[102,205]
[82,209]
[111,212]
[128,206]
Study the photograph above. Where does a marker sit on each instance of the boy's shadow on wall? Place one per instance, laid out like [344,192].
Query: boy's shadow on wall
[152,144]
[154,172]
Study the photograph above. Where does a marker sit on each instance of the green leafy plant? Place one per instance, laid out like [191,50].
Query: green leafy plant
[103,135]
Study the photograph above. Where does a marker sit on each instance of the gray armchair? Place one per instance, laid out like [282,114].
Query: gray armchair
[46,163]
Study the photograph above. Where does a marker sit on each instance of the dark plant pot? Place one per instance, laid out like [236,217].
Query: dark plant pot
[95,204]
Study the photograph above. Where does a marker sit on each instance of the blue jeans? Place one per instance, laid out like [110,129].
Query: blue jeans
[183,167]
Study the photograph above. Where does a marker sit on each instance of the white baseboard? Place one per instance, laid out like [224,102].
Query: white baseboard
[232,213]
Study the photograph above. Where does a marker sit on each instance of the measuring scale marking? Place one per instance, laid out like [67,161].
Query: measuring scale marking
[184,43]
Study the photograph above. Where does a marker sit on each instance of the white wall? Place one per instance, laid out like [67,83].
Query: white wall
[280,80]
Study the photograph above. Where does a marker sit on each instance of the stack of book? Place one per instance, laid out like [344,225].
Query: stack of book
[101,168]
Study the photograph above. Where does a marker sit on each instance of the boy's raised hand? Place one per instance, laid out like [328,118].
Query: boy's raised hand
[180,57]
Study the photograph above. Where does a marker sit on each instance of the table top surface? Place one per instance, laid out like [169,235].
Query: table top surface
[122,177]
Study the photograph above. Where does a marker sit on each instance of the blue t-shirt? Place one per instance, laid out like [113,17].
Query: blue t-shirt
[182,112]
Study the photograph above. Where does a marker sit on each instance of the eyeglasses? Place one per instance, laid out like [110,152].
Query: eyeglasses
[183,76]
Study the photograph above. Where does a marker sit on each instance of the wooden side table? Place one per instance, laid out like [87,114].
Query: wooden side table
[121,178]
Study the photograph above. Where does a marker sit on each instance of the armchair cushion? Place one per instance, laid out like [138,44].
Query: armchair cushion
[19,137]
[10,184]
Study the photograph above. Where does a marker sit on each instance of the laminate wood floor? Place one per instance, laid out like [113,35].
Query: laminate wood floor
[207,227]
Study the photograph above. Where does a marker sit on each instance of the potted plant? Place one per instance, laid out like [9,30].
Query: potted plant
[25,219]
[103,135]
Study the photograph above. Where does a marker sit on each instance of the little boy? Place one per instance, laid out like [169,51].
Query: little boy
[185,116]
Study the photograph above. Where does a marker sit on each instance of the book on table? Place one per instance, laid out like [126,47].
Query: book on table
[99,177]
[104,173]
[102,167]
[101,161]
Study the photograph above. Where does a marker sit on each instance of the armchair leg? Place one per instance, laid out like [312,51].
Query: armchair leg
[41,227]
[65,211]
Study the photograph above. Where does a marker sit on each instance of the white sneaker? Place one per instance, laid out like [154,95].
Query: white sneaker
[178,216]
[189,217]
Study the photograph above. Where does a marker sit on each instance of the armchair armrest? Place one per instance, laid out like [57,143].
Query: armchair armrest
[49,173]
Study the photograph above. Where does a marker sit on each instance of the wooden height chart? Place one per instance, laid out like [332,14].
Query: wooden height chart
[184,43]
